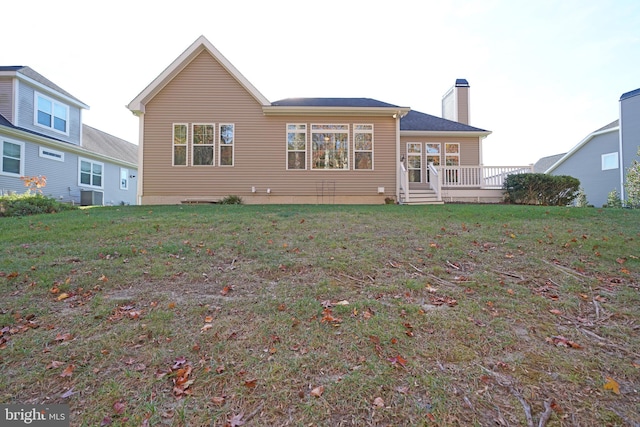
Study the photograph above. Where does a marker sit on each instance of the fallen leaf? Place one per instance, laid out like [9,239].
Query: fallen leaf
[612,385]
[252,383]
[105,421]
[225,290]
[317,392]
[207,326]
[62,296]
[68,371]
[236,420]
[208,319]
[218,400]
[119,407]
[378,402]
[68,393]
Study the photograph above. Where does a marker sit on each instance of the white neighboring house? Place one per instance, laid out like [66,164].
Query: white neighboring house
[42,134]
[601,160]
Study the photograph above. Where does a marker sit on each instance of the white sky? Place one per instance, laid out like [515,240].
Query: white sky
[543,73]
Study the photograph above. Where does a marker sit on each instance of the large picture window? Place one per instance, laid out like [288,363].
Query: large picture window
[296,146]
[227,139]
[330,146]
[51,114]
[91,173]
[179,144]
[363,147]
[12,158]
[202,153]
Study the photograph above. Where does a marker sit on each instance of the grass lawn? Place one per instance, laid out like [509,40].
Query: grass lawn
[224,315]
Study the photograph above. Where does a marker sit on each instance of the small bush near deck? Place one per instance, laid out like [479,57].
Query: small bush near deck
[231,200]
[30,204]
[541,189]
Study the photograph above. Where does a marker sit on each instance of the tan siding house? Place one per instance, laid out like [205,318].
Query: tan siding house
[207,133]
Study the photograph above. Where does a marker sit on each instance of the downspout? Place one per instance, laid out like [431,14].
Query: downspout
[397,116]
[140,160]
[621,154]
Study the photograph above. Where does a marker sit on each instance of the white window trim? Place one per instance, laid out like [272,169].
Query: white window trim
[348,144]
[421,155]
[37,95]
[174,145]
[232,145]
[451,155]
[212,145]
[363,131]
[606,157]
[287,151]
[125,172]
[80,184]
[48,153]
[22,159]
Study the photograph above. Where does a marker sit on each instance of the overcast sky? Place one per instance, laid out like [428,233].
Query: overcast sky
[543,74]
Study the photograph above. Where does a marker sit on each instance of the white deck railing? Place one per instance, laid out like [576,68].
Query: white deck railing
[404,182]
[478,176]
[434,181]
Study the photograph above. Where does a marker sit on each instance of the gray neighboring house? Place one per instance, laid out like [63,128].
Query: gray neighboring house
[601,160]
[42,134]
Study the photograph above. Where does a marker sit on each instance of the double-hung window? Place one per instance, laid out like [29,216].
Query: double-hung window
[179,144]
[226,142]
[51,114]
[296,146]
[91,173]
[363,147]
[330,146]
[12,158]
[202,144]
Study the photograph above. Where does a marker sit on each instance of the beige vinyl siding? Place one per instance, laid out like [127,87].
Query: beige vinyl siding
[469,147]
[462,94]
[6,98]
[203,92]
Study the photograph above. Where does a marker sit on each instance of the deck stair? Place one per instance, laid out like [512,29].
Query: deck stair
[421,197]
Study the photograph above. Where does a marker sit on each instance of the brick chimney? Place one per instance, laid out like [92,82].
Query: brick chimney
[455,103]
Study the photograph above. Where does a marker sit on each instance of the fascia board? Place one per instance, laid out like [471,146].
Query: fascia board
[419,133]
[276,110]
[62,146]
[137,104]
[52,92]
[579,146]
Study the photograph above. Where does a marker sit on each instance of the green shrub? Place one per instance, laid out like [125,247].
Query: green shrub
[231,200]
[633,184]
[30,204]
[541,189]
[613,199]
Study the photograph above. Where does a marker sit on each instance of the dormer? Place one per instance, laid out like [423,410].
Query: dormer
[30,101]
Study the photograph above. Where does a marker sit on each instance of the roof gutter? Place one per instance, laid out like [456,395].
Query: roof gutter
[16,133]
[277,110]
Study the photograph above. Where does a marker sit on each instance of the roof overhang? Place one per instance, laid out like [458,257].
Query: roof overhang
[137,105]
[278,110]
[44,88]
[61,145]
[580,145]
[458,134]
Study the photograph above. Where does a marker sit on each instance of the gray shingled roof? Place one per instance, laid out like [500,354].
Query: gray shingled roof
[99,142]
[545,163]
[32,74]
[93,141]
[413,121]
[630,94]
[333,102]
[611,125]
[417,121]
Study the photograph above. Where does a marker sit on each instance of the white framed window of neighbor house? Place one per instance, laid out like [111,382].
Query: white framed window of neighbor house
[609,161]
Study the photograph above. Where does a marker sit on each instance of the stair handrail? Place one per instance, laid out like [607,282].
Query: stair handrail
[434,180]
[404,182]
